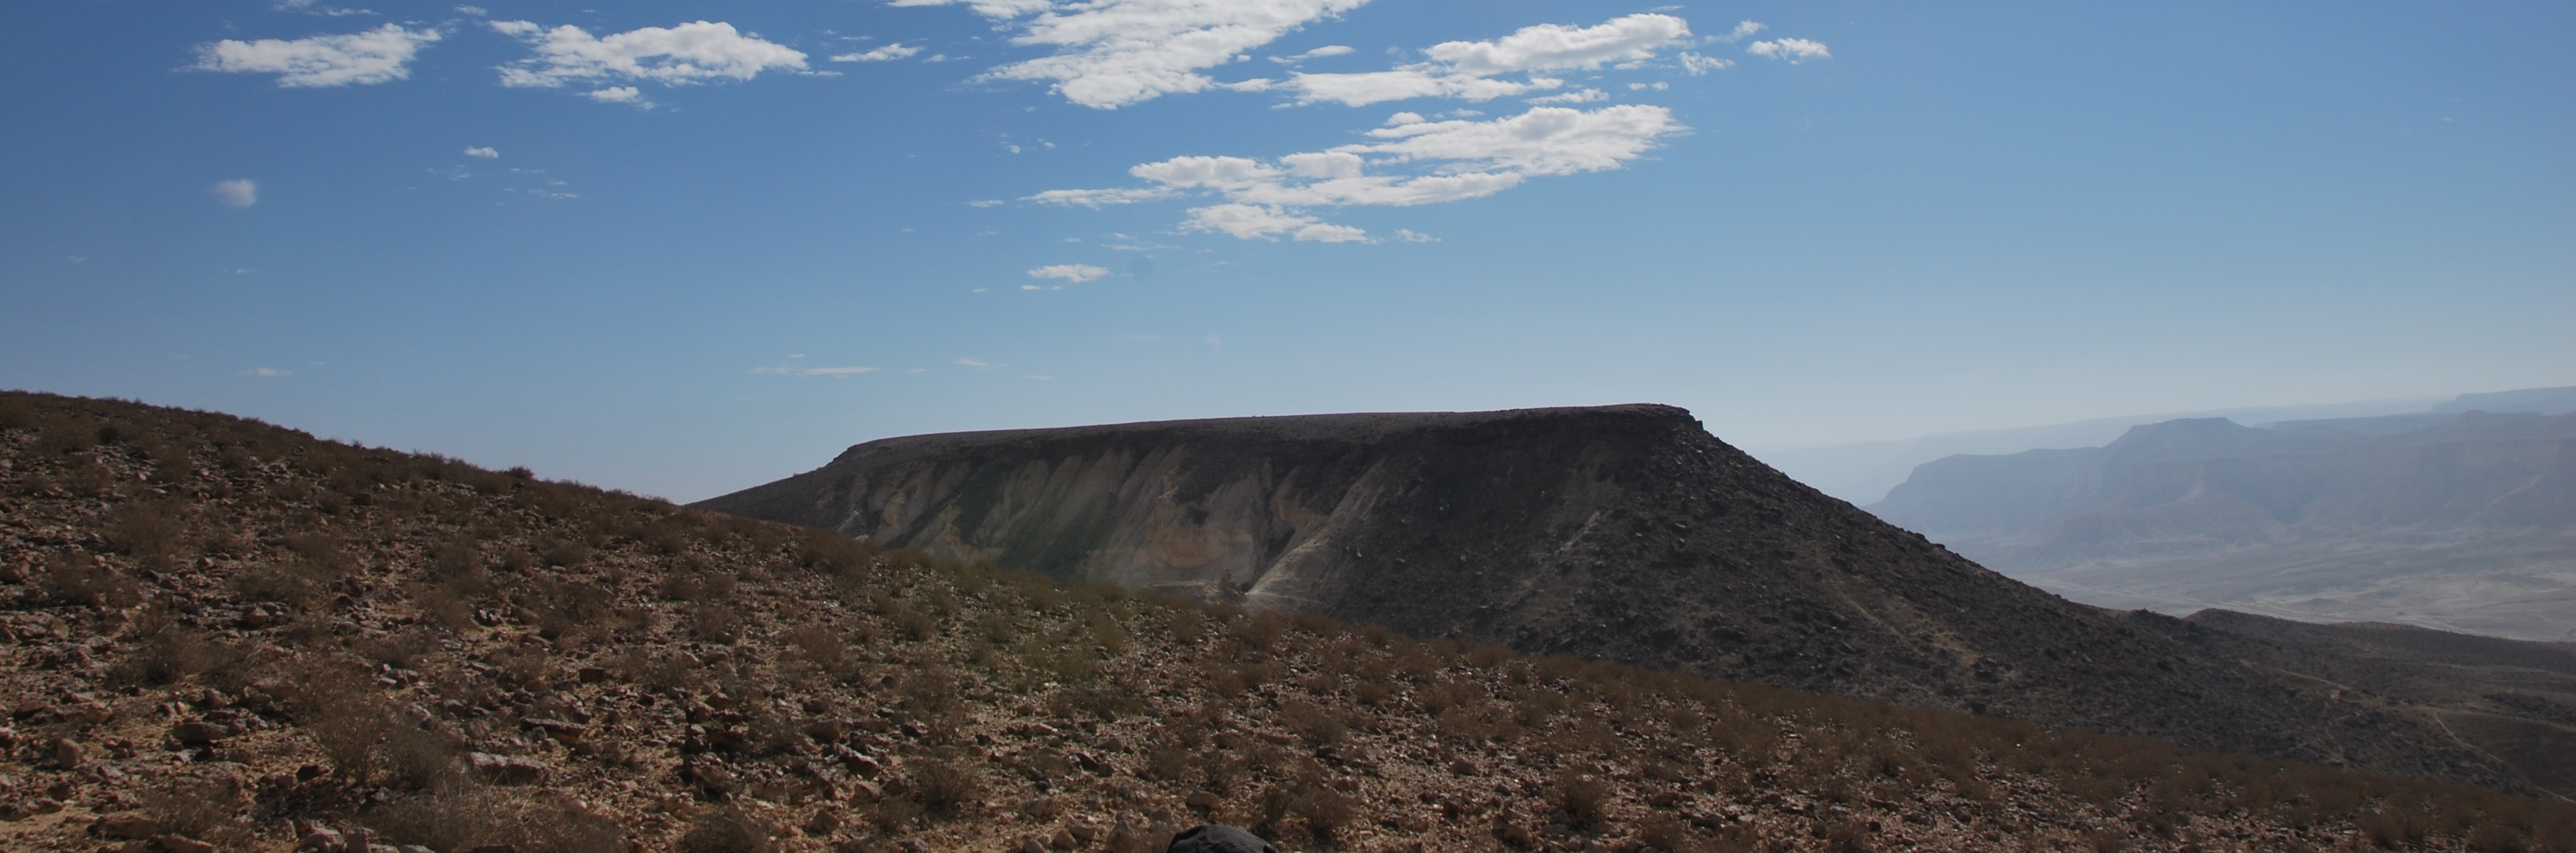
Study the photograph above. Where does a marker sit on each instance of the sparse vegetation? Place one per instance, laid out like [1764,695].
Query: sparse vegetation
[469,657]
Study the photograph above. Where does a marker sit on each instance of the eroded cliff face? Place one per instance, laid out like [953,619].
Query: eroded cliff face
[1623,532]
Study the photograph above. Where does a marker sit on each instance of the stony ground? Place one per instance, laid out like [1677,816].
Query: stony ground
[223,635]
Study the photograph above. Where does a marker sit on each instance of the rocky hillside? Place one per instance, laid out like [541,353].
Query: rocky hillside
[2468,523]
[226,635]
[1626,533]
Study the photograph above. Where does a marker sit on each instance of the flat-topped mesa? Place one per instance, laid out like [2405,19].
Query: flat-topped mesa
[1274,509]
[1621,532]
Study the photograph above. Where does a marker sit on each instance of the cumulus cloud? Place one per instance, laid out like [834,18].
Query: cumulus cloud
[379,55]
[1578,96]
[1112,53]
[484,151]
[695,52]
[1100,198]
[1464,69]
[1317,53]
[1410,161]
[886,53]
[1793,50]
[619,95]
[1697,64]
[1075,273]
[1743,30]
[236,193]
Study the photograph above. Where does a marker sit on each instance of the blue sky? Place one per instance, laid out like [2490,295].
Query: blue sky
[683,248]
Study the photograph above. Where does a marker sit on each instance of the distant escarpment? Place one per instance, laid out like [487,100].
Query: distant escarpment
[1626,532]
[2467,524]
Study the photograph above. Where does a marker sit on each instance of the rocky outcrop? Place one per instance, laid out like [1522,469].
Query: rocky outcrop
[1623,532]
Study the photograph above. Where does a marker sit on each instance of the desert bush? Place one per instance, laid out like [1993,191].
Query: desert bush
[1320,727]
[471,817]
[161,651]
[1582,797]
[72,578]
[714,623]
[17,413]
[150,530]
[944,790]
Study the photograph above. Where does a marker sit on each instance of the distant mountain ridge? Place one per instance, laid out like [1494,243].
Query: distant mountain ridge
[2202,512]
[1864,473]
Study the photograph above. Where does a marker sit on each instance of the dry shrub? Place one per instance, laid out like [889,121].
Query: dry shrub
[821,646]
[1583,798]
[148,529]
[944,790]
[72,578]
[1320,727]
[726,831]
[16,413]
[466,818]
[714,623]
[1188,625]
[163,651]
[1667,834]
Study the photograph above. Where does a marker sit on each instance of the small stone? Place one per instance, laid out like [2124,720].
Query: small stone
[1063,840]
[1032,845]
[496,848]
[1204,800]
[1084,833]
[592,674]
[183,844]
[864,791]
[69,754]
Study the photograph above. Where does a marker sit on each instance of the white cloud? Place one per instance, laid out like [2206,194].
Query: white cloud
[1450,160]
[236,193]
[1411,236]
[1112,53]
[267,372]
[1252,221]
[1100,198]
[987,202]
[1578,96]
[980,365]
[476,11]
[1556,47]
[1464,69]
[886,53]
[833,372]
[1793,50]
[1698,64]
[620,95]
[1075,273]
[484,151]
[375,56]
[1743,30]
[694,52]
[1317,53]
